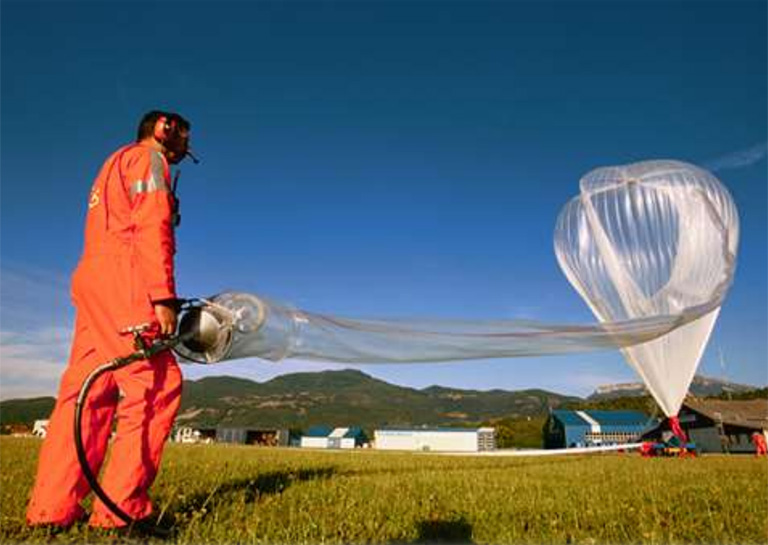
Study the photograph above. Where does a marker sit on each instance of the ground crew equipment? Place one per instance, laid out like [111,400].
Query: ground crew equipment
[143,351]
[195,329]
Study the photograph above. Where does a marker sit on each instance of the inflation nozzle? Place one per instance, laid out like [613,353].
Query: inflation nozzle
[206,330]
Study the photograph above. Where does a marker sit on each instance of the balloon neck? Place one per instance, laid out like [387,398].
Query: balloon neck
[674,425]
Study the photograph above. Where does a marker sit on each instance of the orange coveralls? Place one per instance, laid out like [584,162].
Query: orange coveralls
[760,446]
[127,263]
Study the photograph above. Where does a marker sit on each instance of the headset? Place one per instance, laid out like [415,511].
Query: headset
[163,127]
[168,132]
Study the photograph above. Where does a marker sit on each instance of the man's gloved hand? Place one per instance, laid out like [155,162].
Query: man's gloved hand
[165,313]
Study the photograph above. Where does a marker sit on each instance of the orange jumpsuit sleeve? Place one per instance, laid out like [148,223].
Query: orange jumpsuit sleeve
[152,217]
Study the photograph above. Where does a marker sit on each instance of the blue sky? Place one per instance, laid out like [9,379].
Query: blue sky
[404,158]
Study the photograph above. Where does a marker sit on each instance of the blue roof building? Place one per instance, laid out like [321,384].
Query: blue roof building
[327,437]
[319,431]
[565,429]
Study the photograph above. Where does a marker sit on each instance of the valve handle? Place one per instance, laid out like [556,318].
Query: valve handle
[138,341]
[136,329]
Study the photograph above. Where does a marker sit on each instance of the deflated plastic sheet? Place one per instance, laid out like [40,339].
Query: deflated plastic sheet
[651,247]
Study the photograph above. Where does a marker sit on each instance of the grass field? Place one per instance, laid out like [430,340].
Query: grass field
[238,494]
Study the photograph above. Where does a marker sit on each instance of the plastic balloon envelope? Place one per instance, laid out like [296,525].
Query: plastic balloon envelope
[653,239]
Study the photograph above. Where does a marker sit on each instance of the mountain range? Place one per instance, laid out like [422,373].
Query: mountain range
[348,397]
[353,398]
[701,386]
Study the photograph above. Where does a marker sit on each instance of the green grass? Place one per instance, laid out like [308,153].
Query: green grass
[233,494]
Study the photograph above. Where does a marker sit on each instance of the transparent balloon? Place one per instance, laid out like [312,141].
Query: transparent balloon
[651,239]
[234,325]
[651,247]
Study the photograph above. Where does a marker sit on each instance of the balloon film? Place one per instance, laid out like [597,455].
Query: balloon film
[656,238]
[249,326]
[651,247]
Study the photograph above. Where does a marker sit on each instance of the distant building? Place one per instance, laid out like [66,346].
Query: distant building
[188,434]
[40,429]
[316,437]
[333,438]
[17,430]
[263,437]
[718,425]
[436,439]
[565,429]
[185,434]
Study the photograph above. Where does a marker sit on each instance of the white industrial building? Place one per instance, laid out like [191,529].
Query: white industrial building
[436,439]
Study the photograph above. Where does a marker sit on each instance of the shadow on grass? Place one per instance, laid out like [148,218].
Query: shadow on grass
[441,529]
[202,504]
[450,530]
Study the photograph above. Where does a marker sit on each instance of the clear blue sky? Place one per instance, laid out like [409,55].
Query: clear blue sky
[374,158]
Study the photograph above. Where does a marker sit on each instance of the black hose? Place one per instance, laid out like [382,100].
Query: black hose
[84,465]
[140,354]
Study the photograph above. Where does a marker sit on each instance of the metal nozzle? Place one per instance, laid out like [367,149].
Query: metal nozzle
[204,332]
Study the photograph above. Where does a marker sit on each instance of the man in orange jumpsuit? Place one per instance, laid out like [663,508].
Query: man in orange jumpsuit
[758,439]
[125,277]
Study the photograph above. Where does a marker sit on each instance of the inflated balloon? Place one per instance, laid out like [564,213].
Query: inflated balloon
[653,239]
[651,247]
